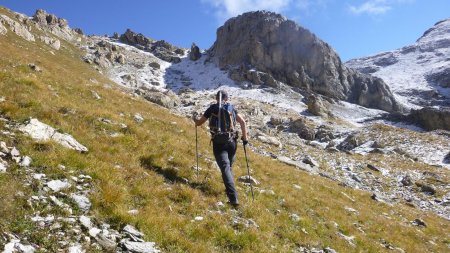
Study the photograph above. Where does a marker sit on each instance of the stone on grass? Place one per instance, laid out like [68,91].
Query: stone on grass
[76,249]
[43,132]
[58,185]
[26,161]
[139,247]
[248,179]
[82,201]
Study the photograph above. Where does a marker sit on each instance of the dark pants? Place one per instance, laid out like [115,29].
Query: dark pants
[225,155]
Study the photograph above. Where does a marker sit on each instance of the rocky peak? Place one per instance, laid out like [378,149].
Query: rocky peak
[44,18]
[278,47]
[133,38]
[440,31]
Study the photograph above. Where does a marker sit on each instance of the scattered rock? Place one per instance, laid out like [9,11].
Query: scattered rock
[294,217]
[429,189]
[406,181]
[82,201]
[248,179]
[139,247]
[95,95]
[154,65]
[419,222]
[373,167]
[58,185]
[270,140]
[316,106]
[138,118]
[54,43]
[238,222]
[309,160]
[16,27]
[26,161]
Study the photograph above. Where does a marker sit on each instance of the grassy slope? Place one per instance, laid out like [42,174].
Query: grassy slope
[142,169]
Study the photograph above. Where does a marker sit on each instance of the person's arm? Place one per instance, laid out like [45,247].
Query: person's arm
[241,122]
[199,122]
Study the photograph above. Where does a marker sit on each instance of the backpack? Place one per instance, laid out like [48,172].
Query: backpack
[227,122]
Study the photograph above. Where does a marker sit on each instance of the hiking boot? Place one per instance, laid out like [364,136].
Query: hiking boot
[233,205]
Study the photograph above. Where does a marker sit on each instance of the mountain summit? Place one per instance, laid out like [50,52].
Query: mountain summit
[418,74]
[266,48]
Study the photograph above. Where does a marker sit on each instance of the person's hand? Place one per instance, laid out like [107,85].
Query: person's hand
[244,141]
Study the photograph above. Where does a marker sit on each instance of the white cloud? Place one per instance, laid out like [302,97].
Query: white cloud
[376,7]
[224,9]
[229,8]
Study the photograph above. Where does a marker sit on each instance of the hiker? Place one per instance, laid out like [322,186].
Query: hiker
[222,119]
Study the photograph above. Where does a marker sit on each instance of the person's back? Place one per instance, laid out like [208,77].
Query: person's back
[223,117]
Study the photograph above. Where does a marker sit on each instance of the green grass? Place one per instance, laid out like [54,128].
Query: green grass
[144,168]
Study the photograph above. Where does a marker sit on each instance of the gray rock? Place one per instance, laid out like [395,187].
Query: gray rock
[14,152]
[3,166]
[248,179]
[130,230]
[58,185]
[269,43]
[317,106]
[154,65]
[54,43]
[270,140]
[167,100]
[406,180]
[76,249]
[86,222]
[3,29]
[439,76]
[309,160]
[303,129]
[25,161]
[42,132]
[238,222]
[16,246]
[419,222]
[194,54]
[432,118]
[82,201]
[299,165]
[138,118]
[16,27]
[139,247]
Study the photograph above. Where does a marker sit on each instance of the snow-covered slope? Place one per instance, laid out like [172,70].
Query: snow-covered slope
[419,74]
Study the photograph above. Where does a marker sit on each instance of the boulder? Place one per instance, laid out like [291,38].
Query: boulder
[54,43]
[432,118]
[317,107]
[3,29]
[168,99]
[439,76]
[269,43]
[17,28]
[303,128]
[194,54]
[42,132]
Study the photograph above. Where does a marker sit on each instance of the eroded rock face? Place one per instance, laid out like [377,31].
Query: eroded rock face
[432,118]
[161,49]
[270,43]
[16,27]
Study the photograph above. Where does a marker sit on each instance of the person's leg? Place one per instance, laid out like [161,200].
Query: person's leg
[222,158]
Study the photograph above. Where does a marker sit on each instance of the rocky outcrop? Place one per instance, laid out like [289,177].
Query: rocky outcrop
[160,48]
[269,43]
[53,24]
[16,27]
[432,118]
[317,106]
[194,54]
[40,131]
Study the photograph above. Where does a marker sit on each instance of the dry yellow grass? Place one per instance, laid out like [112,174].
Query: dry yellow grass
[144,166]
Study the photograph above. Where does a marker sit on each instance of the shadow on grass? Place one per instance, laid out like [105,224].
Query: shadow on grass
[171,175]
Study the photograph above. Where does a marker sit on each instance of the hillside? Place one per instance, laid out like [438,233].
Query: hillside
[138,172]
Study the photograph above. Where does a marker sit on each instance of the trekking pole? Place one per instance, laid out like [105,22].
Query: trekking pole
[248,171]
[196,148]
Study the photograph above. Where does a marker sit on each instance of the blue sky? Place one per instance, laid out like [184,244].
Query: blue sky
[354,28]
